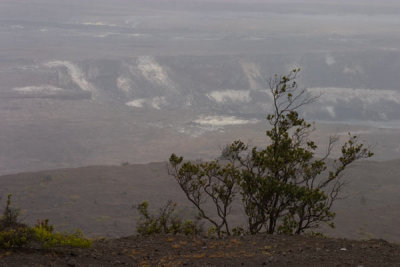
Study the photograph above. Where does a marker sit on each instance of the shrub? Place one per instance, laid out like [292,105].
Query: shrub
[45,225]
[188,227]
[165,222]
[47,239]
[10,216]
[15,237]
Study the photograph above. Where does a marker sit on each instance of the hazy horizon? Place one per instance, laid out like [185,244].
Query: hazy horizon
[105,82]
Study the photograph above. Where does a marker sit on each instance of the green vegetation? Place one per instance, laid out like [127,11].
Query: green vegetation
[14,234]
[9,219]
[165,222]
[284,188]
[43,233]
[216,181]
[15,237]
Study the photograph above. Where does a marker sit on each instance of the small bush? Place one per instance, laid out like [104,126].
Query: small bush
[45,224]
[165,222]
[188,227]
[238,231]
[14,234]
[315,234]
[47,239]
[15,238]
[211,231]
[9,219]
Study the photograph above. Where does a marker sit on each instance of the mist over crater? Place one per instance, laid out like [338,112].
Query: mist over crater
[104,82]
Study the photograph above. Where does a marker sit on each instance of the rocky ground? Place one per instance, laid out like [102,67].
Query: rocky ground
[196,251]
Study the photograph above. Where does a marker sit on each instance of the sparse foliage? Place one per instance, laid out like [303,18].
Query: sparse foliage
[165,222]
[284,187]
[208,182]
[10,216]
[47,238]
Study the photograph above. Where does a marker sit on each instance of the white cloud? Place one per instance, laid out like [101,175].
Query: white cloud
[107,34]
[137,35]
[38,89]
[331,111]
[17,27]
[124,84]
[76,74]
[153,71]
[223,120]
[103,35]
[389,48]
[368,96]
[330,60]
[156,102]
[353,70]
[137,103]
[235,96]
[197,130]
[252,72]
[99,23]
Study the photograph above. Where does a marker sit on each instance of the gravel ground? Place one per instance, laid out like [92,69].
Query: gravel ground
[256,250]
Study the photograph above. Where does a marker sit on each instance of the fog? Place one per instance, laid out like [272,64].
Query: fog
[110,81]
